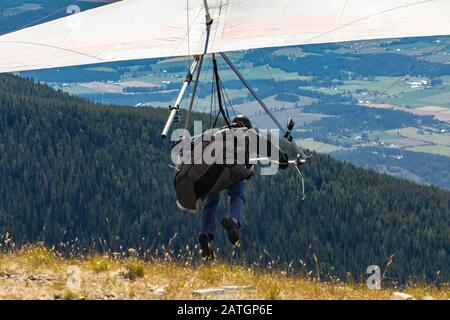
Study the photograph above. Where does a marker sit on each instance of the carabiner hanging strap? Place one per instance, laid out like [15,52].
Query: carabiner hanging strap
[219,92]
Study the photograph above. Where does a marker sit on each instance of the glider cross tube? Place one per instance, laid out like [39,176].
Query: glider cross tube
[302,154]
[174,110]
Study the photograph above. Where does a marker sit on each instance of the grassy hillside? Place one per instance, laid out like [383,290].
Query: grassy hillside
[38,273]
[97,178]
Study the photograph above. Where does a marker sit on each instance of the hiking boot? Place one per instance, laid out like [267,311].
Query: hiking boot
[205,245]
[232,228]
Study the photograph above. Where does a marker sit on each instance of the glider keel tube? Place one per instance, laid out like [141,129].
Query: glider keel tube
[302,155]
[209,21]
[174,110]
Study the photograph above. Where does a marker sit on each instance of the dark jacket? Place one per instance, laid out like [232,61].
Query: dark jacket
[197,179]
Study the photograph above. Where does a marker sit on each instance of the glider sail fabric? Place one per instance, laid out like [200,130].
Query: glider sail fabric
[140,29]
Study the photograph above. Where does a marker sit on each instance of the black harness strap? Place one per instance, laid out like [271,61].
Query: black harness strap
[219,91]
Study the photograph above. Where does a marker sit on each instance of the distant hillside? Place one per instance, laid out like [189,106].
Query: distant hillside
[17,14]
[98,175]
[420,167]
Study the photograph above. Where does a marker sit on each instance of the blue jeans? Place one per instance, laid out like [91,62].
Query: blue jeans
[237,202]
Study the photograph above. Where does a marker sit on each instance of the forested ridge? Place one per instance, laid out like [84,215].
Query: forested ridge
[71,169]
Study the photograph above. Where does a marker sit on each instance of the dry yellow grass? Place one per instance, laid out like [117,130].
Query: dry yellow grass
[38,273]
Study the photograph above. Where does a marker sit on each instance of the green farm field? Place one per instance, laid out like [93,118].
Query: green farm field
[434,149]
[415,133]
[436,96]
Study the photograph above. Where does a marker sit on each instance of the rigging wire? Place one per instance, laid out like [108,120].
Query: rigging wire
[343,26]
[190,62]
[224,98]
[225,102]
[213,108]
[228,99]
[188,30]
[235,113]
[274,84]
[282,18]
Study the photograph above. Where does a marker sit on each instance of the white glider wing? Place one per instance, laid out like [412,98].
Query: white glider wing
[140,29]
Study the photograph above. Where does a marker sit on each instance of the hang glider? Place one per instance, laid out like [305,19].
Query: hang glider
[139,29]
